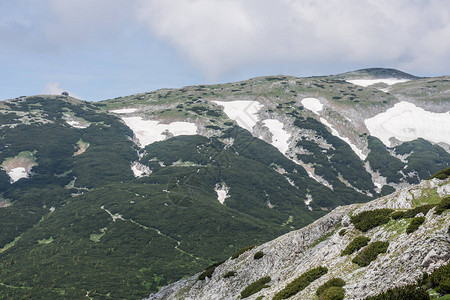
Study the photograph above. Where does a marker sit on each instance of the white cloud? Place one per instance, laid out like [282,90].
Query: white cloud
[52,88]
[218,36]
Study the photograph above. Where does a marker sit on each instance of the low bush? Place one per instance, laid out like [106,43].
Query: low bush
[397,215]
[229,274]
[209,271]
[342,232]
[336,282]
[411,213]
[410,292]
[245,249]
[371,218]
[258,255]
[300,283]
[415,224]
[443,174]
[439,280]
[255,287]
[443,205]
[370,253]
[333,293]
[356,244]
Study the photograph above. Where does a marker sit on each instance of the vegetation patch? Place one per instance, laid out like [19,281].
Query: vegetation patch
[229,274]
[411,213]
[258,255]
[415,224]
[370,253]
[337,284]
[342,232]
[245,249]
[356,244]
[371,219]
[443,174]
[410,292]
[443,205]
[209,271]
[300,283]
[255,287]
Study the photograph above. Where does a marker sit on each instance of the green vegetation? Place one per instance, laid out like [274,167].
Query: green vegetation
[300,283]
[333,282]
[333,293]
[382,161]
[397,215]
[209,271]
[443,205]
[356,244]
[255,287]
[411,213]
[370,253]
[258,255]
[410,292]
[415,224]
[243,250]
[229,274]
[442,174]
[371,219]
[342,232]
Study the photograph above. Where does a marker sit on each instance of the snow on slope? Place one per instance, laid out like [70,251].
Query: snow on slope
[280,137]
[245,113]
[367,82]
[17,173]
[312,104]
[407,122]
[124,111]
[315,106]
[150,131]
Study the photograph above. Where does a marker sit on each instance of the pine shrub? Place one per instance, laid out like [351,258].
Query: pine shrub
[245,249]
[333,282]
[415,224]
[371,218]
[258,255]
[300,283]
[370,253]
[255,287]
[356,244]
[333,293]
[443,205]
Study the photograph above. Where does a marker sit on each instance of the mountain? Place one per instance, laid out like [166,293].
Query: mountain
[121,197]
[364,249]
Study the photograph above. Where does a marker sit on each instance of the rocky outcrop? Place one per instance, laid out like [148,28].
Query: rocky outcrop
[321,243]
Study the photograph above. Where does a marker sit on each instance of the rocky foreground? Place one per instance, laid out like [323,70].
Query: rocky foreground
[321,243]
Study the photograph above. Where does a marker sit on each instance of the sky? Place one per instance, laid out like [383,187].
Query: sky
[102,49]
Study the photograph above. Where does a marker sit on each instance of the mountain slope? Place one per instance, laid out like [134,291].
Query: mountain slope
[322,244]
[175,180]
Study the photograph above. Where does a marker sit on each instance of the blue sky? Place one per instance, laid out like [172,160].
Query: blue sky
[100,49]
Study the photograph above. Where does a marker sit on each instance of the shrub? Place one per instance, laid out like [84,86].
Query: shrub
[443,205]
[336,282]
[245,249]
[397,215]
[440,279]
[333,293]
[415,224]
[300,283]
[255,287]
[209,271]
[356,244]
[370,253]
[229,274]
[342,232]
[443,174]
[410,292]
[371,218]
[411,213]
[258,255]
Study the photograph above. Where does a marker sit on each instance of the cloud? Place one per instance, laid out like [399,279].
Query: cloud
[218,36]
[52,88]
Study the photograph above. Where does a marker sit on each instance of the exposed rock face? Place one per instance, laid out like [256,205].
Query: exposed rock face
[287,257]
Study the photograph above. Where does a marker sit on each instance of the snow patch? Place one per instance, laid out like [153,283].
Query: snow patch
[124,111]
[150,131]
[76,122]
[407,122]
[244,112]
[312,104]
[308,201]
[222,192]
[367,82]
[280,137]
[17,173]
[140,170]
[334,132]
